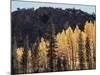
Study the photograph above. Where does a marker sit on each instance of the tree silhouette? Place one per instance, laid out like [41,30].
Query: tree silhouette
[51,48]
[13,61]
[25,54]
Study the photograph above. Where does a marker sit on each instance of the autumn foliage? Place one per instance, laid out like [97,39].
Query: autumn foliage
[76,50]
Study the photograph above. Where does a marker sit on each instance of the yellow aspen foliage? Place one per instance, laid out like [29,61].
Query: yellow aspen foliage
[90,32]
[61,40]
[42,53]
[69,32]
[77,33]
[62,46]
[94,34]
[19,53]
[69,35]
[94,44]
[89,26]
[92,54]
[85,65]
[75,47]
[29,62]
[78,47]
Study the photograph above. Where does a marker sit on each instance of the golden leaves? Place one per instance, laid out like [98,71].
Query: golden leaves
[42,52]
[89,29]
[19,53]
[67,43]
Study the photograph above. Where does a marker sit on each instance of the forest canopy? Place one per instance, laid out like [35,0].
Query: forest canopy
[52,39]
[34,23]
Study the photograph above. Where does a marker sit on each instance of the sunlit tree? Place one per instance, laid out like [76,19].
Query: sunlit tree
[42,55]
[76,47]
[90,32]
[84,58]
[29,62]
[62,48]
[19,54]
[69,35]
[70,49]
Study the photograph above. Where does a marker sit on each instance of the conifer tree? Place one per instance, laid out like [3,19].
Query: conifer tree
[25,54]
[36,53]
[14,47]
[51,48]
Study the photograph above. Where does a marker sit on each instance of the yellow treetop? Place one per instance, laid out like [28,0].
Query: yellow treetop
[19,53]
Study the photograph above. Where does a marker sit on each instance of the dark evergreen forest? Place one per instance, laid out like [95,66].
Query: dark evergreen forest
[34,23]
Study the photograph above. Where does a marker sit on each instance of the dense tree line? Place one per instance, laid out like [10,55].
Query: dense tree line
[34,22]
[70,49]
[52,39]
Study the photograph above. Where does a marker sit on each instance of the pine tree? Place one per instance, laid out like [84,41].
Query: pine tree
[36,53]
[25,54]
[51,48]
[35,56]
[14,47]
